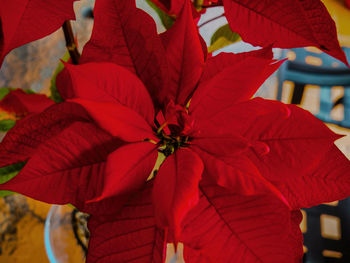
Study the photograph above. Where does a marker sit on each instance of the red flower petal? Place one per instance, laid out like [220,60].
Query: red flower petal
[297,142]
[226,227]
[204,47]
[65,168]
[127,170]
[176,6]
[237,173]
[296,236]
[185,56]
[326,182]
[226,163]
[240,117]
[285,24]
[233,84]
[230,145]
[127,36]
[107,82]
[127,235]
[118,120]
[22,140]
[22,21]
[215,65]
[20,103]
[176,189]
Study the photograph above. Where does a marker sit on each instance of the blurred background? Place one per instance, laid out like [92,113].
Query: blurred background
[31,231]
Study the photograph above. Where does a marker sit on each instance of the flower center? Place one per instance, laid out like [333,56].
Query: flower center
[175,130]
[169,143]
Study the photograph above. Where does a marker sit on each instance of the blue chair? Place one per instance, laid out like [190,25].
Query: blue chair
[328,73]
[324,246]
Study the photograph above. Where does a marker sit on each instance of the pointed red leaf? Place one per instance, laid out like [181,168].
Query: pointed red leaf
[127,235]
[204,47]
[226,163]
[220,62]
[226,227]
[297,146]
[23,21]
[185,56]
[127,169]
[176,189]
[67,167]
[127,36]
[107,82]
[20,104]
[238,117]
[233,84]
[230,145]
[296,236]
[176,6]
[284,23]
[296,143]
[326,182]
[28,133]
[237,173]
[118,120]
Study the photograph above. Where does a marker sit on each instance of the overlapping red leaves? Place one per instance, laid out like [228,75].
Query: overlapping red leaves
[23,21]
[20,104]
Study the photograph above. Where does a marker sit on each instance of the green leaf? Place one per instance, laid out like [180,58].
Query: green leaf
[3,92]
[4,193]
[8,172]
[72,206]
[166,19]
[29,91]
[6,124]
[55,95]
[222,38]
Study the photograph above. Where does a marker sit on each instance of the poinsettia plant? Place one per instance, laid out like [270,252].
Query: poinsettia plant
[163,144]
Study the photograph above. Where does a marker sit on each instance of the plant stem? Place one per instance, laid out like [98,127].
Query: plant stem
[211,20]
[75,225]
[70,42]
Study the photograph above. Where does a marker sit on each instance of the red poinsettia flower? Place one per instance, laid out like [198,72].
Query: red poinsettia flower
[236,169]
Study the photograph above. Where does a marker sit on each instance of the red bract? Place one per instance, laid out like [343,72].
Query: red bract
[20,104]
[129,234]
[198,162]
[16,104]
[226,227]
[137,50]
[284,24]
[23,21]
